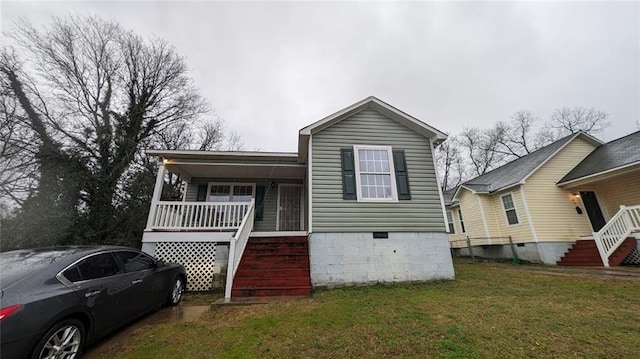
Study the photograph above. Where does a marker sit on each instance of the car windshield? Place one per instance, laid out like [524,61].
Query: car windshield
[16,265]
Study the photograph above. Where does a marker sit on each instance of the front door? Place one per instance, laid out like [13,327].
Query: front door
[290,207]
[593,209]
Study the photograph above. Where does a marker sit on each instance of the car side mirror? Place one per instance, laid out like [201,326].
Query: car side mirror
[160,263]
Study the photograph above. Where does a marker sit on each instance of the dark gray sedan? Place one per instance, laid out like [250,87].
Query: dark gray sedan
[55,301]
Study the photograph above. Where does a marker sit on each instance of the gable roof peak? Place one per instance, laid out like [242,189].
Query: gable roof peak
[374,103]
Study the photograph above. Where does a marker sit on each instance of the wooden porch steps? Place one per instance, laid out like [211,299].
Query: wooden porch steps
[622,252]
[273,266]
[585,253]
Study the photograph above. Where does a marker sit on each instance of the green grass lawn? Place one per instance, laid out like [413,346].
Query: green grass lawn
[487,312]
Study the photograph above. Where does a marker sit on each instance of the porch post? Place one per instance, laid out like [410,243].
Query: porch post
[157,192]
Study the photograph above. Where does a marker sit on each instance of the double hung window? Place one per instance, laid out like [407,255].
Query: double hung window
[375,173]
[230,192]
[510,209]
[452,228]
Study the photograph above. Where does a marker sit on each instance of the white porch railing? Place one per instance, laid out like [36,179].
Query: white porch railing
[611,236]
[199,215]
[236,248]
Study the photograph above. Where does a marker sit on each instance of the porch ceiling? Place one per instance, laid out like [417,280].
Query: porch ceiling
[230,170]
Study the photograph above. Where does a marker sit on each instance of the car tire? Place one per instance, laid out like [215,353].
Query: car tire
[70,333]
[176,290]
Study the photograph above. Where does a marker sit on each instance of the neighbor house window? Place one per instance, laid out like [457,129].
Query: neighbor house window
[461,222]
[452,228]
[510,209]
[375,174]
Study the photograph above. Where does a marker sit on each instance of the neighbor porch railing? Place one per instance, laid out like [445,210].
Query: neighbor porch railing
[199,215]
[611,236]
[236,248]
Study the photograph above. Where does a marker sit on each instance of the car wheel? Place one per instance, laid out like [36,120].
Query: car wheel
[63,340]
[175,294]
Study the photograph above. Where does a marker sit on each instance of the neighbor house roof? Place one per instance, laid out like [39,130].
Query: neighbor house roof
[376,105]
[518,170]
[614,155]
[447,196]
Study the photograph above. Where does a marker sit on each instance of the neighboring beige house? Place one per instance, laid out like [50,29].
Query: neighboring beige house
[547,200]
[359,203]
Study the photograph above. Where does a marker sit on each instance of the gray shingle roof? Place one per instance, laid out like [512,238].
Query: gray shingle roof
[447,196]
[617,153]
[516,170]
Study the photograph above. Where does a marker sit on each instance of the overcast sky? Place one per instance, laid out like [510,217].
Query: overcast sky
[270,69]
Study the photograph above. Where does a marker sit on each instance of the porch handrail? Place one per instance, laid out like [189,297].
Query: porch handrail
[619,227]
[236,247]
[171,215]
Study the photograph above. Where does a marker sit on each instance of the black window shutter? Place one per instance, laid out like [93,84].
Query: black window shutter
[348,174]
[202,193]
[260,193]
[402,175]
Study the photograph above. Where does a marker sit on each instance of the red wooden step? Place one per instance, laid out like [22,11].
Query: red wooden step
[271,282]
[272,273]
[255,265]
[274,257]
[276,251]
[271,292]
[276,239]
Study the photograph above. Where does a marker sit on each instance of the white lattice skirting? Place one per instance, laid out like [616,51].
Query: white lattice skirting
[633,257]
[198,259]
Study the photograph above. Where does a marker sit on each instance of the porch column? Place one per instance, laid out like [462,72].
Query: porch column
[157,192]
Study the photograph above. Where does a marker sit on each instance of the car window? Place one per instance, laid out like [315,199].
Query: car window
[98,266]
[135,261]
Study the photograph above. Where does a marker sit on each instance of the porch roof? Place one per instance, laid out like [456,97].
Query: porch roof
[620,154]
[231,164]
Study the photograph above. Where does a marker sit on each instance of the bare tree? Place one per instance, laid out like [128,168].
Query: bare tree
[515,138]
[480,147]
[568,120]
[450,163]
[18,172]
[94,94]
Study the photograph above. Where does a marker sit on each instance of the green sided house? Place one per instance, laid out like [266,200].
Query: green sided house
[359,203]
[573,202]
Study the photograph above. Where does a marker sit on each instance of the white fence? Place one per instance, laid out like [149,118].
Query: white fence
[199,215]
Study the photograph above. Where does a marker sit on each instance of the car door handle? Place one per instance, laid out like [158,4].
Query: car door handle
[137,281]
[92,294]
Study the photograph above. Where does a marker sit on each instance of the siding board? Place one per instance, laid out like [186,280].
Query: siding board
[331,213]
[552,212]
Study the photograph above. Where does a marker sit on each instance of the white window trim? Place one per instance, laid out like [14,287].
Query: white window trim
[231,184]
[392,172]
[504,210]
[453,222]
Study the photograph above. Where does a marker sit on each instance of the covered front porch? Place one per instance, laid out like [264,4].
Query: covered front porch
[226,197]
[612,204]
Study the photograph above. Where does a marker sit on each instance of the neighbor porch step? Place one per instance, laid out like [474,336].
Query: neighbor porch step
[618,256]
[581,253]
[585,253]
